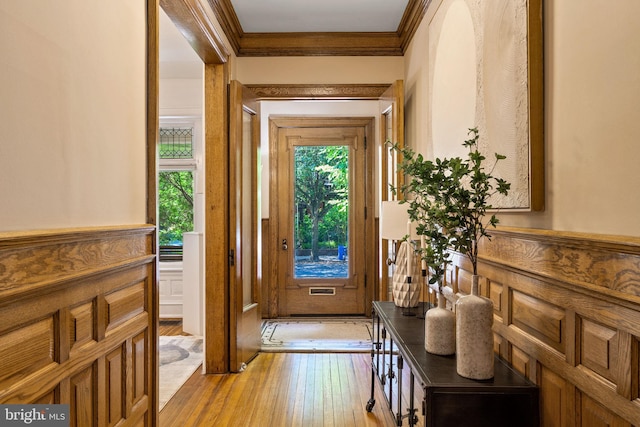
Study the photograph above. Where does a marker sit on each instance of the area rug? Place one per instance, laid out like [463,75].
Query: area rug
[180,356]
[317,335]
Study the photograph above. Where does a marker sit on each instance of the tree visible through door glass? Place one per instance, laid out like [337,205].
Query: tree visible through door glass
[321,223]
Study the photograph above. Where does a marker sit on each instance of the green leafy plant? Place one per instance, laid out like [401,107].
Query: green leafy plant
[449,200]
[427,207]
[467,219]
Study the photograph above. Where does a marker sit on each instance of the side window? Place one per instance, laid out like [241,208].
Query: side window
[177,174]
[175,212]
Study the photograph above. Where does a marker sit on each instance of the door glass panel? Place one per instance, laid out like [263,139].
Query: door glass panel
[321,223]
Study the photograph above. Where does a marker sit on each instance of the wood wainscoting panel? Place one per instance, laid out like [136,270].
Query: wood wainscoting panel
[114,385]
[521,362]
[139,366]
[82,408]
[496,292]
[556,400]
[27,350]
[598,346]
[78,323]
[125,304]
[81,324]
[567,315]
[539,318]
[594,414]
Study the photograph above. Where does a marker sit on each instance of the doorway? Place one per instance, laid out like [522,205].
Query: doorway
[321,192]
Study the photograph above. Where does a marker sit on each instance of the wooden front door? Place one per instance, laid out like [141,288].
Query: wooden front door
[324,188]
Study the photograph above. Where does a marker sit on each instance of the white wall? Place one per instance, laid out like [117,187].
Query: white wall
[592,87]
[72,113]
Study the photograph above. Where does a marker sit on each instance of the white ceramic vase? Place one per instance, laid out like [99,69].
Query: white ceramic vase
[406,294]
[440,329]
[474,335]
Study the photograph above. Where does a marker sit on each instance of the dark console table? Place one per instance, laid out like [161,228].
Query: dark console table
[419,384]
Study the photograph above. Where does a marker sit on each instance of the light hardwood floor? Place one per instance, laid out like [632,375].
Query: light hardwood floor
[282,389]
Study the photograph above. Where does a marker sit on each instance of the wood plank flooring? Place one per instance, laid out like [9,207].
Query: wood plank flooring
[171,327]
[282,389]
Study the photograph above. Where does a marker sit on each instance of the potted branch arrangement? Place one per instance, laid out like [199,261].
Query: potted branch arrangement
[450,199]
[426,209]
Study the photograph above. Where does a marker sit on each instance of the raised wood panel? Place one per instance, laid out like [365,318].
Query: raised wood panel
[496,291]
[140,367]
[125,304]
[82,325]
[344,300]
[594,414]
[541,319]
[463,282]
[521,361]
[114,385]
[499,345]
[598,348]
[82,404]
[77,330]
[556,401]
[27,350]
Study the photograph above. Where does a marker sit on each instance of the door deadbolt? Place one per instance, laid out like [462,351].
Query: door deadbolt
[285,246]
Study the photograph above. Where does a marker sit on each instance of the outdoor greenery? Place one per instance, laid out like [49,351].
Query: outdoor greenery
[175,206]
[321,197]
[449,199]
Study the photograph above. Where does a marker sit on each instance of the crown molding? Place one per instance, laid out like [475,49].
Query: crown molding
[319,44]
[415,11]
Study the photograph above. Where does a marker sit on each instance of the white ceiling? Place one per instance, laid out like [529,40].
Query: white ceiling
[266,16]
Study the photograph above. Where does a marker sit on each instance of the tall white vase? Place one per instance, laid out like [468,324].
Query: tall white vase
[440,329]
[474,336]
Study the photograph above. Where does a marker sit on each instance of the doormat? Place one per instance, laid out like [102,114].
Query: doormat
[180,356]
[317,336]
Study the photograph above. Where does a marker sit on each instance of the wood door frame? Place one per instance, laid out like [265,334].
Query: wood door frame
[192,18]
[273,244]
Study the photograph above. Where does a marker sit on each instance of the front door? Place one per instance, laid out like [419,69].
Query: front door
[324,188]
